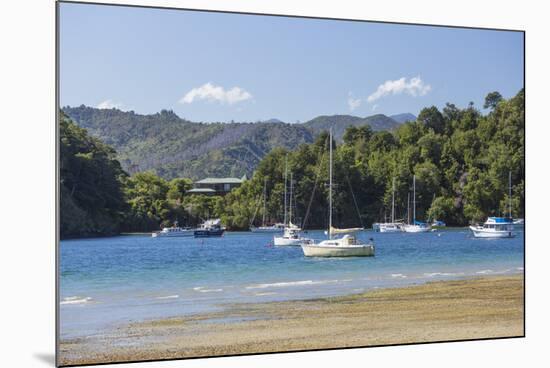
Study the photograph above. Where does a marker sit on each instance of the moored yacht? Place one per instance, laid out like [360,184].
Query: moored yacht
[291,235]
[275,228]
[389,227]
[416,226]
[346,246]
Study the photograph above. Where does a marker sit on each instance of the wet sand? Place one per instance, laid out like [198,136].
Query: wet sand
[436,311]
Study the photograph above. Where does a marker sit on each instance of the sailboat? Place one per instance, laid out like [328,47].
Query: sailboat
[276,228]
[389,227]
[346,246]
[416,226]
[497,227]
[291,234]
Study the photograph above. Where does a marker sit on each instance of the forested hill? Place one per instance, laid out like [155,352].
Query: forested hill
[341,122]
[175,147]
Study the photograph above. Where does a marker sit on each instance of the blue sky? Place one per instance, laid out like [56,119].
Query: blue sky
[222,67]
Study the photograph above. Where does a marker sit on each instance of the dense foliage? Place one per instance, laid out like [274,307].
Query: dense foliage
[460,157]
[92,201]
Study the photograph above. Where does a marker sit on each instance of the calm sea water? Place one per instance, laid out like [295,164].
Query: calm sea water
[110,281]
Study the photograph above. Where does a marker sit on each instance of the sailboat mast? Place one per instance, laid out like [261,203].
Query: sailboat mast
[290,202]
[330,187]
[286,171]
[414,198]
[393,201]
[265,199]
[408,207]
[510,193]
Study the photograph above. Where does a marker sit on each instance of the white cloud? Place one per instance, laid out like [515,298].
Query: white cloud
[414,87]
[353,103]
[110,104]
[211,92]
[374,107]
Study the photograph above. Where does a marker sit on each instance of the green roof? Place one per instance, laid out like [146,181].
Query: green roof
[220,181]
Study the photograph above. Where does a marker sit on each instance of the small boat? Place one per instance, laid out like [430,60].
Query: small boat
[346,246]
[497,227]
[291,234]
[437,223]
[494,227]
[416,226]
[519,221]
[174,231]
[389,227]
[209,228]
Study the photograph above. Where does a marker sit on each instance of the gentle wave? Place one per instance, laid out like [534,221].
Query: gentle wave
[264,294]
[434,274]
[168,297]
[75,300]
[484,272]
[398,275]
[202,289]
[294,283]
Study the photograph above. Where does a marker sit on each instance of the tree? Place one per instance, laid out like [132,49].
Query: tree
[491,100]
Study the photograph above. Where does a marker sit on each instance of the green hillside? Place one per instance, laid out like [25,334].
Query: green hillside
[174,147]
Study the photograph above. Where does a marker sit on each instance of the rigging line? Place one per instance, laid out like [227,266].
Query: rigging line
[314,188]
[355,201]
[255,212]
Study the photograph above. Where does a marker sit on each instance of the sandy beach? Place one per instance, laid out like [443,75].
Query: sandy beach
[445,310]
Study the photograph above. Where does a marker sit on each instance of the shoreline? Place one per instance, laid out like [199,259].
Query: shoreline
[473,308]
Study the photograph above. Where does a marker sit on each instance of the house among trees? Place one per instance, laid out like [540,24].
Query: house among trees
[216,186]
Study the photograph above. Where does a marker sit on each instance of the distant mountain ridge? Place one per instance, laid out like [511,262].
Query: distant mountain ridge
[176,147]
[403,118]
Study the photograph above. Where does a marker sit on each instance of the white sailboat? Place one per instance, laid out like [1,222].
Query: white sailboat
[416,226]
[497,227]
[276,228]
[389,227]
[346,246]
[291,235]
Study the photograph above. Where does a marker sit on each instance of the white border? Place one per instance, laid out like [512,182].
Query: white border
[27,182]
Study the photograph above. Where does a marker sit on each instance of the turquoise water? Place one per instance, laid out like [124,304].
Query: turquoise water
[110,281]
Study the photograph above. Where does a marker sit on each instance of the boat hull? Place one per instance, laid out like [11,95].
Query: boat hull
[416,229]
[208,233]
[174,235]
[266,230]
[485,233]
[280,241]
[389,229]
[314,250]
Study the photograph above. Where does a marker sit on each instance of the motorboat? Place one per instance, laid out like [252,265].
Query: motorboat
[174,231]
[209,228]
[494,227]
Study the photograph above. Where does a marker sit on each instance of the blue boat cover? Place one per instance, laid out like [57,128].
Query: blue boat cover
[501,220]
